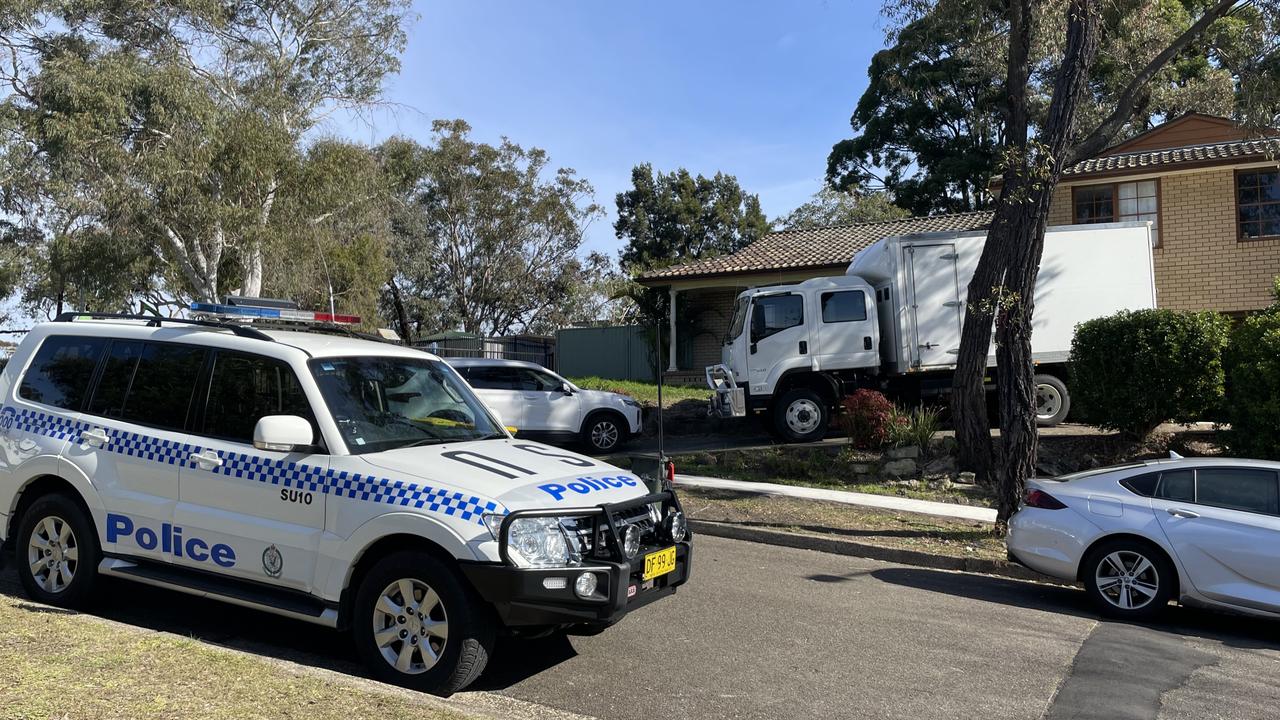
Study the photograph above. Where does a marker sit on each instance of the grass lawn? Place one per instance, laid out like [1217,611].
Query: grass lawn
[873,526]
[814,467]
[646,393]
[59,664]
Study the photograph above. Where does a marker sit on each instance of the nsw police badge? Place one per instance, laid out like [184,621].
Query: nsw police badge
[272,562]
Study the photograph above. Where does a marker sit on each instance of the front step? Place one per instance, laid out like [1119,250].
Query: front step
[288,603]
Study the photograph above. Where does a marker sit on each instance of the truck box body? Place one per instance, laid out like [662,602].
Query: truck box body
[921,283]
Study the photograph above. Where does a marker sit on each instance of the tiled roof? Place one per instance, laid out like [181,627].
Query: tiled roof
[821,247]
[1227,152]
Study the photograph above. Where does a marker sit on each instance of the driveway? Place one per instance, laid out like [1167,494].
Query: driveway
[765,632]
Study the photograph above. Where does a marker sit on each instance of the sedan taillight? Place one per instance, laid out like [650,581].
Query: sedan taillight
[1040,499]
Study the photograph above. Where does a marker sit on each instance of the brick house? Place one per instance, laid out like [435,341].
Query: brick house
[1210,190]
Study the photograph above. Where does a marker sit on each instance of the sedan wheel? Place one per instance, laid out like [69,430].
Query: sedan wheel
[1129,579]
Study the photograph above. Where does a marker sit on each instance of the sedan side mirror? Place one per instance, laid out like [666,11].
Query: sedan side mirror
[283,433]
[566,388]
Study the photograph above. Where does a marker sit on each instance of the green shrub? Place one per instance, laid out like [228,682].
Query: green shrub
[1253,386]
[1134,370]
[914,427]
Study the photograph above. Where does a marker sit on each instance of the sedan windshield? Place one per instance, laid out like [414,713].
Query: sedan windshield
[382,403]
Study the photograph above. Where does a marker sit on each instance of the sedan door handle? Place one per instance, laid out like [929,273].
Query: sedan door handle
[1179,512]
[96,437]
[207,459]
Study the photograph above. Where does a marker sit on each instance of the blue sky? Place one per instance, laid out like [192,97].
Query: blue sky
[757,89]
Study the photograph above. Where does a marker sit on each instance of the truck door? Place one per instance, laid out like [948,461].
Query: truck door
[778,334]
[933,303]
[846,331]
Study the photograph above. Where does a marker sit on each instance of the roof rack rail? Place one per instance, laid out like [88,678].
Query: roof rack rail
[157,321]
[322,328]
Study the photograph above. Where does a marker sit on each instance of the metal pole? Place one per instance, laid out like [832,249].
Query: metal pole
[662,458]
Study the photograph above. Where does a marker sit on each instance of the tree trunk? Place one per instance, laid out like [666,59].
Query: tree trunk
[1042,169]
[968,392]
[402,317]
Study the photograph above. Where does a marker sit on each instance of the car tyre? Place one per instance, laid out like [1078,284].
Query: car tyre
[438,642]
[1053,401]
[604,432]
[1129,579]
[800,415]
[57,552]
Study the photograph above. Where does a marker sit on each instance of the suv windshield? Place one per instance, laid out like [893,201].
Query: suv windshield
[382,403]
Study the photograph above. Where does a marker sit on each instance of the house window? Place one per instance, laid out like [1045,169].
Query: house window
[1258,203]
[1120,202]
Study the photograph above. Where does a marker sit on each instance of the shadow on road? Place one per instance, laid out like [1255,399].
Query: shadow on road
[1238,631]
[269,635]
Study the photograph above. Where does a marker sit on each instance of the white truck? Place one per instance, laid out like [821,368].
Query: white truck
[893,322]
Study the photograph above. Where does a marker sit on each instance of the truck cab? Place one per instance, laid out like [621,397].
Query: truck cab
[800,341]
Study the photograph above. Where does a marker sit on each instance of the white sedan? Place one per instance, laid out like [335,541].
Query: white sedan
[545,406]
[1205,531]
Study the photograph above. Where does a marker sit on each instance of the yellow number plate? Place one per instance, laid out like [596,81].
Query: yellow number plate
[659,563]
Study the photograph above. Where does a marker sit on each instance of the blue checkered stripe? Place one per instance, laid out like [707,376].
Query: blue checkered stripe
[340,483]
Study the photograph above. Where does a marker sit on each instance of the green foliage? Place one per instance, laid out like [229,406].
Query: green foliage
[1136,369]
[916,426]
[832,207]
[1253,386]
[487,237]
[644,392]
[867,417]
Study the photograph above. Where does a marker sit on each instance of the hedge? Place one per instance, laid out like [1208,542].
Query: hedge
[1253,386]
[1136,369]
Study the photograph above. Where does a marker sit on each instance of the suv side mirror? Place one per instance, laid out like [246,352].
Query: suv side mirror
[283,433]
[566,388]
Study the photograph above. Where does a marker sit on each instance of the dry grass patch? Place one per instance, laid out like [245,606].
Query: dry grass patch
[60,664]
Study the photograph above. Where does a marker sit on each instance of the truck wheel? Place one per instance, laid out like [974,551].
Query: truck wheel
[418,625]
[1053,402]
[800,415]
[57,552]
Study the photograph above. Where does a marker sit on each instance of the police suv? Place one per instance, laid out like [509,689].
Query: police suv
[318,475]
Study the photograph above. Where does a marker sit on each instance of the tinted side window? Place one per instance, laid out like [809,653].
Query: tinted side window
[245,388]
[117,375]
[1142,484]
[491,378]
[846,306]
[60,372]
[1177,485]
[534,380]
[1239,489]
[776,313]
[163,384]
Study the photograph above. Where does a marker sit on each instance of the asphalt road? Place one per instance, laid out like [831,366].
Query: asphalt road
[765,632]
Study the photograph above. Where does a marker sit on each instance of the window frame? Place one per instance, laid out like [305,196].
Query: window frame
[822,308]
[188,421]
[1275,479]
[1115,204]
[196,419]
[762,298]
[1235,192]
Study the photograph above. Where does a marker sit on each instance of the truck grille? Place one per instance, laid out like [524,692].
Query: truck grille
[580,529]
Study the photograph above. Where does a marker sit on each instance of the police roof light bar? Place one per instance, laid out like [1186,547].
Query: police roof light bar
[271,313]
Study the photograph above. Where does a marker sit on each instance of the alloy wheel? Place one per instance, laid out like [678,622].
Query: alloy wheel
[604,435]
[53,554]
[410,627]
[1127,580]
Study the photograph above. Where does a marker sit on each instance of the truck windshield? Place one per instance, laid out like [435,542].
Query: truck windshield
[383,403]
[739,318]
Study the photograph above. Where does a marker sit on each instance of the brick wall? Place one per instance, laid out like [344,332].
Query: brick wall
[710,309]
[1200,265]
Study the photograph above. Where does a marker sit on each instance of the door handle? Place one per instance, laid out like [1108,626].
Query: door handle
[1179,512]
[207,459]
[96,437]
[804,347]
[866,342]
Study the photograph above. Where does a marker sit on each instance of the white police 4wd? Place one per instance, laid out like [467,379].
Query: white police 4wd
[337,480]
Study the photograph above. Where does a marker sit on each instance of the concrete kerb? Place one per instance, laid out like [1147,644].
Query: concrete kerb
[841,546]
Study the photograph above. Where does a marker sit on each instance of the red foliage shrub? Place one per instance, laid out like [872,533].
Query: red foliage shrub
[866,417]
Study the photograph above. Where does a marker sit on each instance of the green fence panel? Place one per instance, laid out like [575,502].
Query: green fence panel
[622,352]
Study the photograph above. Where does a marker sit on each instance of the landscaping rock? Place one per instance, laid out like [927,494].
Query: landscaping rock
[910,451]
[947,444]
[900,468]
[862,468]
[944,465]
[943,483]
[966,478]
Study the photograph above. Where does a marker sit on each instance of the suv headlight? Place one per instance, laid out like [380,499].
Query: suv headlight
[535,541]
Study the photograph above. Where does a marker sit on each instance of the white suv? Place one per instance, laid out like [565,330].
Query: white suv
[541,404]
[341,481]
